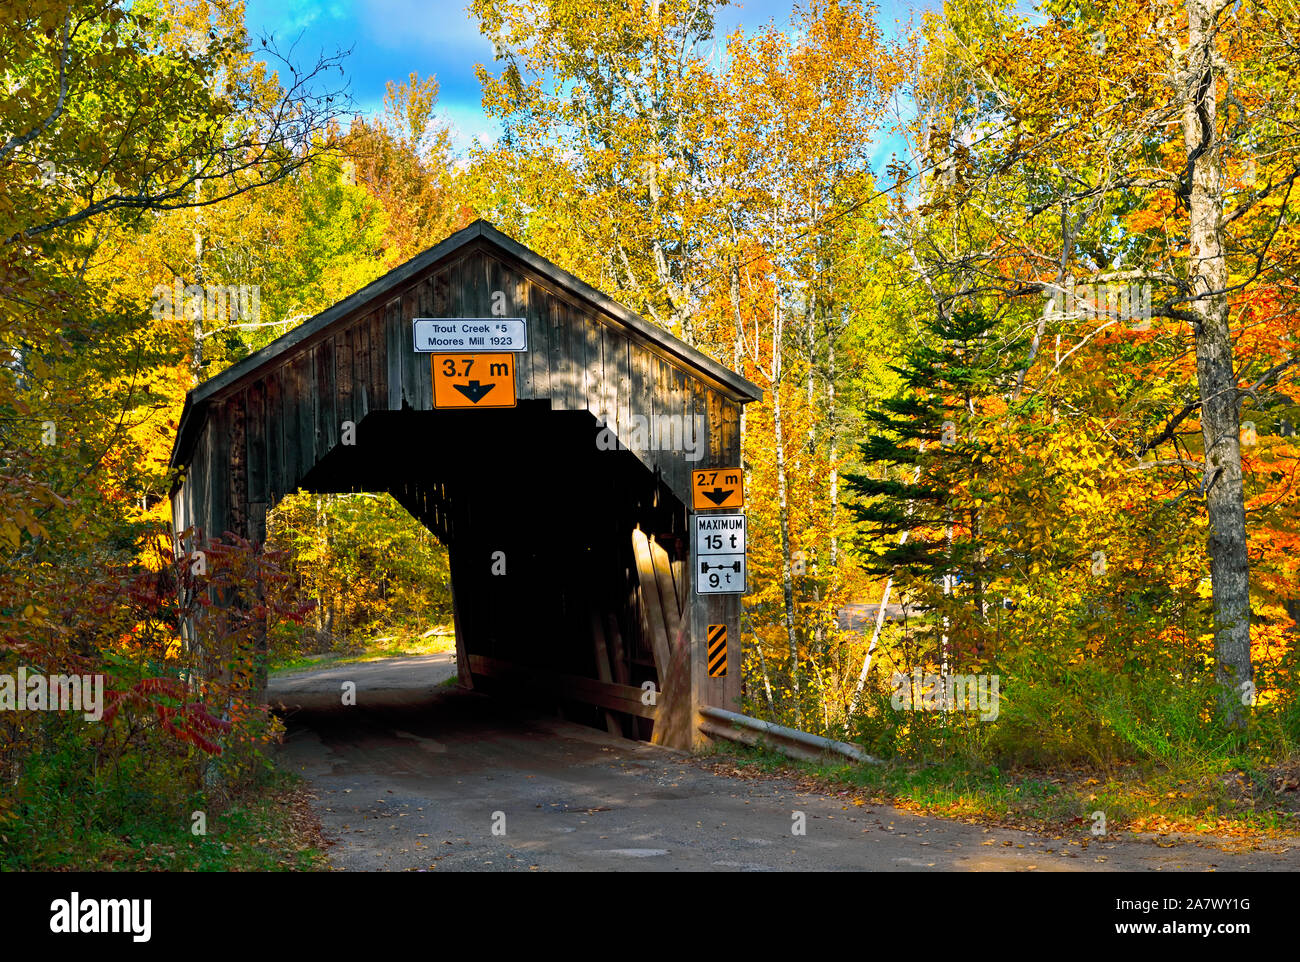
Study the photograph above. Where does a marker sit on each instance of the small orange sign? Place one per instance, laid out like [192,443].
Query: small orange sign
[717,488]
[473,380]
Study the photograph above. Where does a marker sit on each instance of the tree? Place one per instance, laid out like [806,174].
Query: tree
[1110,170]
[609,95]
[405,161]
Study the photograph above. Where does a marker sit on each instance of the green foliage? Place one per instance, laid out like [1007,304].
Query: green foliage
[143,820]
[369,567]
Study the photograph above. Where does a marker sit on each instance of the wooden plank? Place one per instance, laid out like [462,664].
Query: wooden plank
[405,347]
[395,358]
[575,338]
[603,671]
[515,287]
[654,610]
[478,299]
[458,623]
[730,431]
[458,303]
[420,364]
[617,650]
[190,508]
[327,419]
[178,516]
[700,411]
[237,470]
[691,439]
[495,283]
[663,439]
[673,426]
[441,292]
[559,354]
[343,371]
[275,484]
[304,375]
[539,340]
[640,404]
[698,442]
[621,370]
[289,425]
[624,698]
[717,447]
[668,598]
[204,490]
[197,480]
[607,376]
[378,361]
[592,383]
[218,461]
[517,294]
[255,434]
[257,522]
[363,390]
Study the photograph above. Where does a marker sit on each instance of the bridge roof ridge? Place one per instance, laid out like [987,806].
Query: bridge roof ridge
[741,387]
[738,387]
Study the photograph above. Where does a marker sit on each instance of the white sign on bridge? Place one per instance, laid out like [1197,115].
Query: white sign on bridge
[720,554]
[470,334]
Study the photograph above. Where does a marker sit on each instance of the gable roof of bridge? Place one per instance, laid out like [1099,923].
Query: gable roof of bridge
[725,380]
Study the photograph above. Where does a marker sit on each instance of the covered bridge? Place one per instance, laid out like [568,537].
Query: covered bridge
[559,476]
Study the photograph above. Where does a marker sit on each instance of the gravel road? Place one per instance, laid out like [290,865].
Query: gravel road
[422,775]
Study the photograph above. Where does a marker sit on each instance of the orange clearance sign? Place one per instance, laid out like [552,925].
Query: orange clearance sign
[473,380]
[717,488]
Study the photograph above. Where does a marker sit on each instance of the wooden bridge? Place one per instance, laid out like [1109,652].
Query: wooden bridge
[564,478]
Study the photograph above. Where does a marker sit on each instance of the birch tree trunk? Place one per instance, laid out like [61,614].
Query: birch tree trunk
[1207,271]
[783,507]
[196,351]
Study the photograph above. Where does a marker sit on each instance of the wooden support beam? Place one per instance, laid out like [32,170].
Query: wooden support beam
[618,652]
[667,592]
[622,698]
[602,666]
[654,610]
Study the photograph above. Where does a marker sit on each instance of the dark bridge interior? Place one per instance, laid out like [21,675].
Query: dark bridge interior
[538,523]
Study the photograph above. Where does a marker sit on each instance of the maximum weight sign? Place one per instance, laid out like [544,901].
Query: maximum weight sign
[720,554]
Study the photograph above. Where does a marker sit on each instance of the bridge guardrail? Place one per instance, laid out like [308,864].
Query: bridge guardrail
[735,727]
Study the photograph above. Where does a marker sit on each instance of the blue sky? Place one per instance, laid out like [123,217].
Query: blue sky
[391,38]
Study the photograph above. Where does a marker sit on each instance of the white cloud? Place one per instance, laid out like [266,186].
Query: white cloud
[399,24]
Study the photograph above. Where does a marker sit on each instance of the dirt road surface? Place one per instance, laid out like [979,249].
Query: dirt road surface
[421,775]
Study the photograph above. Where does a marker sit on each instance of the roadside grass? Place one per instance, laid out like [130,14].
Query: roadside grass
[1196,797]
[268,827]
[391,645]
[397,647]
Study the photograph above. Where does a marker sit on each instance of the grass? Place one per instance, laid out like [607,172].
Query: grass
[268,828]
[1196,797]
[386,646]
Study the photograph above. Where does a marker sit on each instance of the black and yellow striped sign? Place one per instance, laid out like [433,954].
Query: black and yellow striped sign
[717,651]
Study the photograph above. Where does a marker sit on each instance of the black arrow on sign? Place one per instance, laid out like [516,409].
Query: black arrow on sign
[718,495]
[474,390]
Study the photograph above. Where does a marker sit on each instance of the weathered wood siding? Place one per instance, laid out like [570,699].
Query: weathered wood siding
[578,359]
[561,510]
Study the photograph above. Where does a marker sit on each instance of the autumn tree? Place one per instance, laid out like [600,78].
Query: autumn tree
[609,95]
[404,159]
[1092,201]
[113,115]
